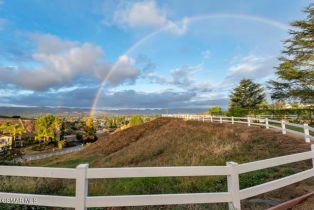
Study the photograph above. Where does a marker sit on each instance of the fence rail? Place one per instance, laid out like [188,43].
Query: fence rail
[232,170]
[308,132]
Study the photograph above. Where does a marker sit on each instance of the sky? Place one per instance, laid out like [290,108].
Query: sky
[111,54]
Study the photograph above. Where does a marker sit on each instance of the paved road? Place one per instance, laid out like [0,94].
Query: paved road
[49,154]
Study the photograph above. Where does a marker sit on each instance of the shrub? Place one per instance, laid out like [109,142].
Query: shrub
[61,144]
[237,111]
[215,110]
[136,120]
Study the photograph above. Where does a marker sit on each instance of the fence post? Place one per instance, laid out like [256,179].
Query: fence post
[307,133]
[211,118]
[312,148]
[266,123]
[220,119]
[232,120]
[234,186]
[203,119]
[81,187]
[248,121]
[283,127]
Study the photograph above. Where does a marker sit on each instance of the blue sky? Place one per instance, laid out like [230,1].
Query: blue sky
[138,54]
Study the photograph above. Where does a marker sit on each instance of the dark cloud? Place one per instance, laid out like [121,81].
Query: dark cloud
[83,97]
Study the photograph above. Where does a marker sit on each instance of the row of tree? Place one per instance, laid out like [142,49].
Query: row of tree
[50,128]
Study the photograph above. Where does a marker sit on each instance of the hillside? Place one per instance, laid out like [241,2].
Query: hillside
[175,142]
[171,142]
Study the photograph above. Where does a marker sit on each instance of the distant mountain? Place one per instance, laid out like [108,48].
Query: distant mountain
[66,111]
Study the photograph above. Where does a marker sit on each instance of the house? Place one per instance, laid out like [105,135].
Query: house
[5,142]
[18,141]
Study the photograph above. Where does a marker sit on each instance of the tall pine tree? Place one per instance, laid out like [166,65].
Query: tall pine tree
[248,95]
[296,69]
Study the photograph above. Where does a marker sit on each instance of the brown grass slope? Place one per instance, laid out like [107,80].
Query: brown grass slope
[173,142]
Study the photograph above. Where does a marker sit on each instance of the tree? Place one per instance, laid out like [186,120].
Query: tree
[48,127]
[248,95]
[16,130]
[215,110]
[296,69]
[136,120]
[237,111]
[12,129]
[90,131]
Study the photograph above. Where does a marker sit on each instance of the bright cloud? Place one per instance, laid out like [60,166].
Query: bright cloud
[147,14]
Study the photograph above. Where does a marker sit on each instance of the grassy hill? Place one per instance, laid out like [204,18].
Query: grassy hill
[174,142]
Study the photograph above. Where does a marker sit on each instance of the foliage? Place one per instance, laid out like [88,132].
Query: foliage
[247,95]
[48,127]
[90,131]
[237,111]
[215,110]
[295,71]
[9,156]
[12,129]
[136,120]
[61,144]
[79,137]
[115,121]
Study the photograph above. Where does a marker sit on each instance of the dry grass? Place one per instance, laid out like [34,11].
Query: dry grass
[171,142]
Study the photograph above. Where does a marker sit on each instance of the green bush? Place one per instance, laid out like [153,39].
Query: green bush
[136,120]
[237,111]
[215,110]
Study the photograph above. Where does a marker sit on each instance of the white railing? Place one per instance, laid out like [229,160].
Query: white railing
[82,174]
[307,131]
[290,116]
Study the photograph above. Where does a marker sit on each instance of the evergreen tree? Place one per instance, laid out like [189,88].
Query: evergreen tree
[296,69]
[248,95]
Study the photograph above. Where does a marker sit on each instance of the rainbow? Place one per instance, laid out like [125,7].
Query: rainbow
[259,19]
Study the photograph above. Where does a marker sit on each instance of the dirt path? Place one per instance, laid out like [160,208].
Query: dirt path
[49,154]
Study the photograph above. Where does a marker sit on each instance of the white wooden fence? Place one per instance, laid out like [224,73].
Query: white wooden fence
[82,174]
[265,122]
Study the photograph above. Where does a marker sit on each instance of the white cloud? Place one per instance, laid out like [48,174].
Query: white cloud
[147,14]
[62,62]
[258,68]
[124,69]
[183,78]
[49,44]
